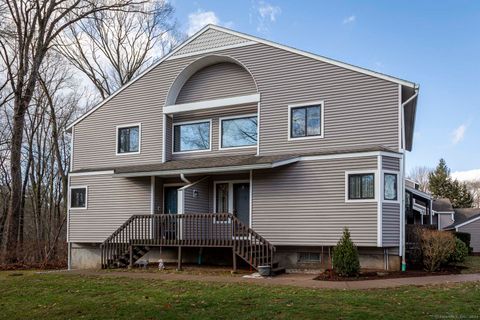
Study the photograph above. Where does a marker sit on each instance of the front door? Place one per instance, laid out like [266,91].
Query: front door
[170,201]
[241,202]
[170,206]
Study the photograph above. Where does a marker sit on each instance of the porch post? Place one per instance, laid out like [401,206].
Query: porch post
[179,266]
[234,256]
[130,262]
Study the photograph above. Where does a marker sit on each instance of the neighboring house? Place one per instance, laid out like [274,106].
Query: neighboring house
[424,209]
[247,148]
[418,204]
[468,220]
[443,212]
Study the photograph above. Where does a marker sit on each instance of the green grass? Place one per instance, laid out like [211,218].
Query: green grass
[473,265]
[61,296]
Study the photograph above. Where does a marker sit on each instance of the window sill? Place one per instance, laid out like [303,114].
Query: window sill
[306,138]
[127,153]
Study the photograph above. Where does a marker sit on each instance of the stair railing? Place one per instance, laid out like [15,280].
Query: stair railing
[189,230]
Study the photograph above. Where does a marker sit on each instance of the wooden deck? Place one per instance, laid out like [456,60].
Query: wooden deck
[141,232]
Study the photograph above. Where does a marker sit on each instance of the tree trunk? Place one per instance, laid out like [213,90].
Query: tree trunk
[9,244]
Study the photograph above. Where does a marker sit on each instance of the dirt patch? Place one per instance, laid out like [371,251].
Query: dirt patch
[330,275]
[32,266]
[191,269]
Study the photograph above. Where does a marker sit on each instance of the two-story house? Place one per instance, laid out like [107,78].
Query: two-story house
[244,147]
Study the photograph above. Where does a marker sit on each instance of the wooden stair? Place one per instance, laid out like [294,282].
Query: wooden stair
[122,260]
[140,233]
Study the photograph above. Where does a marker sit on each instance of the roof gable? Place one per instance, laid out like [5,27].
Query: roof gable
[213,38]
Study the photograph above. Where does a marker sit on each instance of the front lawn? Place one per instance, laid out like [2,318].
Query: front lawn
[472,264]
[26,295]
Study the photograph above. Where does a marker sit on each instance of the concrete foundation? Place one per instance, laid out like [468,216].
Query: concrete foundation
[85,256]
[294,259]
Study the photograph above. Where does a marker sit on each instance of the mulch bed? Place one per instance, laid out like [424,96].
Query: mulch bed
[330,275]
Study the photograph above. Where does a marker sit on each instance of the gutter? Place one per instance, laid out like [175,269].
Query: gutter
[415,95]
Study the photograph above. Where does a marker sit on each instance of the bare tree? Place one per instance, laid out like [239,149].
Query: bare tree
[420,175]
[28,30]
[112,47]
[474,187]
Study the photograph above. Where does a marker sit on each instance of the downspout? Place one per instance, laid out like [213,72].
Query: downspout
[402,210]
[182,176]
[431,213]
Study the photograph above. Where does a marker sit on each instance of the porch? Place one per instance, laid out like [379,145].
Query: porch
[203,203]
[141,233]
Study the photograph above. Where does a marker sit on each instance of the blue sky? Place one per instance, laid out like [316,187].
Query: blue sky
[433,43]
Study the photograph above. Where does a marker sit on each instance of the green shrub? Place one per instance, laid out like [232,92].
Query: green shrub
[466,238]
[437,247]
[345,256]
[460,252]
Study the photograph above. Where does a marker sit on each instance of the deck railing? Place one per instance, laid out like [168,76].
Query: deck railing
[188,230]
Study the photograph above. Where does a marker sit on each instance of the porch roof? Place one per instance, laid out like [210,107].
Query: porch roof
[206,165]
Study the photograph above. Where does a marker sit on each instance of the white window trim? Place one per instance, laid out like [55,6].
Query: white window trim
[70,197]
[383,186]
[307,104]
[210,104]
[230,197]
[191,122]
[376,185]
[220,128]
[139,125]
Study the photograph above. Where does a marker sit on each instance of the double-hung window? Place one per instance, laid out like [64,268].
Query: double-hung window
[78,197]
[238,132]
[306,121]
[191,136]
[361,186]
[128,139]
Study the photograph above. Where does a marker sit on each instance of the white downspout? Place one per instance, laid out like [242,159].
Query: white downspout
[402,209]
[182,176]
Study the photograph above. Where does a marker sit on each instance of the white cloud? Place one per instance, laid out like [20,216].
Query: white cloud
[199,19]
[267,11]
[350,19]
[266,15]
[467,175]
[459,133]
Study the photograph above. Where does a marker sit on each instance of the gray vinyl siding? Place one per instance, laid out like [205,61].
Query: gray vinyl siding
[360,110]
[215,116]
[201,204]
[304,204]
[168,138]
[474,229]
[111,201]
[217,81]
[209,40]
[142,101]
[391,163]
[444,220]
[390,224]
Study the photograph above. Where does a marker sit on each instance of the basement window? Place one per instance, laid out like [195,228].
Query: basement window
[309,257]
